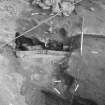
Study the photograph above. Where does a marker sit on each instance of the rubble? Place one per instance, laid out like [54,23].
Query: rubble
[57,5]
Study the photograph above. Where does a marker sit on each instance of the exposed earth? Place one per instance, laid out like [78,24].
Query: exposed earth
[17,83]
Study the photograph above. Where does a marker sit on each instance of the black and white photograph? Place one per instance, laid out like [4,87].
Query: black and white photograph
[52,52]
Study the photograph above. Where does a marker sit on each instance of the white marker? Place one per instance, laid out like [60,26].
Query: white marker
[57,90]
[76,87]
[82,34]
[58,81]
[81,43]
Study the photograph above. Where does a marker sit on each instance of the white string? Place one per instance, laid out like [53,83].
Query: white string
[46,20]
